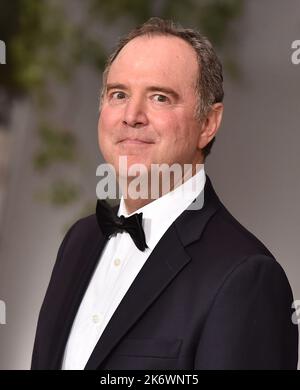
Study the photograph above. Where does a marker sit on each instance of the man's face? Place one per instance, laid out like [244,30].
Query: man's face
[150,97]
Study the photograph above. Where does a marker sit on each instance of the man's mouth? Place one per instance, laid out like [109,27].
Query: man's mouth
[136,141]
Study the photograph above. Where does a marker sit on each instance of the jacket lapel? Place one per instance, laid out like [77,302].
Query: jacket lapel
[163,265]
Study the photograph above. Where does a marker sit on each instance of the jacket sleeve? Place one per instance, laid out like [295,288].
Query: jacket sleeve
[35,361]
[249,324]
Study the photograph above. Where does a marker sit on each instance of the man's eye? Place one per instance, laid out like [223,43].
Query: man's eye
[160,98]
[118,95]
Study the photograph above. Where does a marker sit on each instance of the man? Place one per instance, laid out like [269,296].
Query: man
[156,283]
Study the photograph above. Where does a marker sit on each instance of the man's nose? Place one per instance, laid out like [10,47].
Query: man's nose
[135,113]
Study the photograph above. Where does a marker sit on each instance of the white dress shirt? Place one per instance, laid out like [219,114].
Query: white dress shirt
[119,264]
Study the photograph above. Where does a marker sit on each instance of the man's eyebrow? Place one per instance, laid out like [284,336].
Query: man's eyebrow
[115,86]
[153,88]
[166,90]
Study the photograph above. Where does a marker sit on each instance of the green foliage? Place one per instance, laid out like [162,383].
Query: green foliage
[42,40]
[36,35]
[60,193]
[211,17]
[112,10]
[57,145]
[63,192]
[215,17]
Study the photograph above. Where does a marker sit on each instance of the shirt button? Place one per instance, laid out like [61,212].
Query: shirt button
[96,319]
[117,262]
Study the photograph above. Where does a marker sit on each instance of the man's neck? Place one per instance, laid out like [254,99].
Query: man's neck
[132,204]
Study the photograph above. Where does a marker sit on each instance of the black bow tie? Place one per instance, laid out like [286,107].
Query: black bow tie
[110,223]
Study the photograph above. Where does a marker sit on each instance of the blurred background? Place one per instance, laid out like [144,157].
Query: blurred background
[49,96]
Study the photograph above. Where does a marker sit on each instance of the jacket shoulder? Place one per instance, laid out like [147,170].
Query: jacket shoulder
[232,237]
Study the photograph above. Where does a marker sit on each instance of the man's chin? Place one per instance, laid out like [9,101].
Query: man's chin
[128,165]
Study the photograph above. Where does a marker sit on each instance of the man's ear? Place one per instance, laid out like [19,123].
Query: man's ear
[211,124]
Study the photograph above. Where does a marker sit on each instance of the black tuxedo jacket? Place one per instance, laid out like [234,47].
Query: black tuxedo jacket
[210,296]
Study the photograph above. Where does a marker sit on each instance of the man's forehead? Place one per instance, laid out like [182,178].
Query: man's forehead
[158,48]
[165,58]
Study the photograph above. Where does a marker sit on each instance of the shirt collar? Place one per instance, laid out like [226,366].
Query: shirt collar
[159,214]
